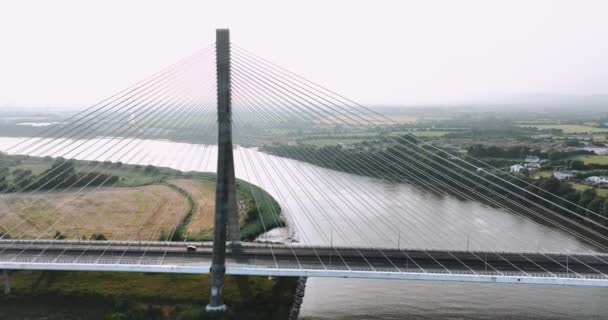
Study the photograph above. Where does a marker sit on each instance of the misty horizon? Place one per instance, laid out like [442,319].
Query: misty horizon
[414,53]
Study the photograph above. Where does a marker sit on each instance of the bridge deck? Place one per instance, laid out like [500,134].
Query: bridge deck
[280,260]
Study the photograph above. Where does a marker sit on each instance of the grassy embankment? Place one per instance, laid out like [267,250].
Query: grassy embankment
[146,203]
[111,295]
[259,212]
[149,200]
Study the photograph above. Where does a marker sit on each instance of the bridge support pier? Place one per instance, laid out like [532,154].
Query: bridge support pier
[225,197]
[7,283]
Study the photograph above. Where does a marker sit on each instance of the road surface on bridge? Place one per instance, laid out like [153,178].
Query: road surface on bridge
[297,260]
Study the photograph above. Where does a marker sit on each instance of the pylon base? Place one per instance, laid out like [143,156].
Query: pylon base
[220,308]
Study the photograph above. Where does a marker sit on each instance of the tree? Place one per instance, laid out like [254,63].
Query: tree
[572,143]
[605,211]
[596,204]
[551,185]
[61,174]
[23,178]
[576,165]
[586,197]
[98,236]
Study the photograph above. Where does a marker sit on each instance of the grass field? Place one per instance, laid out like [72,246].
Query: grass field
[147,203]
[543,174]
[114,295]
[567,128]
[130,175]
[203,195]
[125,213]
[357,137]
[422,133]
[365,120]
[593,159]
[583,187]
[332,142]
[179,208]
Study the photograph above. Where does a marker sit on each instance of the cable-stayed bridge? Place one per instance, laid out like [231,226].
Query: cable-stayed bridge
[396,208]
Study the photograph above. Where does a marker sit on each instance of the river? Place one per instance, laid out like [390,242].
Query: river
[329,207]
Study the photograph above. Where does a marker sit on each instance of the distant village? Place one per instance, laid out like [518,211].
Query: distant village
[533,164]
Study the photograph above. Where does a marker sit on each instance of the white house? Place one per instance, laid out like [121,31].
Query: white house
[564,175]
[597,180]
[516,168]
[532,167]
[343,146]
[532,159]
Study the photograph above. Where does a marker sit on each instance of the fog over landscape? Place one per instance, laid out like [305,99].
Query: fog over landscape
[309,160]
[391,52]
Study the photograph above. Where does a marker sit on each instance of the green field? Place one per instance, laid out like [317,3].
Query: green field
[333,142]
[583,187]
[130,175]
[593,159]
[115,295]
[357,137]
[423,133]
[142,191]
[566,128]
[543,174]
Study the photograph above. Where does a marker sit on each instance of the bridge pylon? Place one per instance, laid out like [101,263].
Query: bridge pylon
[226,210]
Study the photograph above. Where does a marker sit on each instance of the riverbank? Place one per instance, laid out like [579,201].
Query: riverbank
[110,295]
[434,173]
[141,203]
[120,202]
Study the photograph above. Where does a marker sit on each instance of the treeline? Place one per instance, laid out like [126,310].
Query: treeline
[520,152]
[515,152]
[588,198]
[423,165]
[557,158]
[61,174]
[493,129]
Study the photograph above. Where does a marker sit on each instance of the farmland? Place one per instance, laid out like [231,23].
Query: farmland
[594,159]
[143,204]
[566,128]
[332,142]
[358,137]
[583,187]
[203,194]
[368,120]
[126,213]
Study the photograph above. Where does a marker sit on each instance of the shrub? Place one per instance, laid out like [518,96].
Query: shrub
[98,236]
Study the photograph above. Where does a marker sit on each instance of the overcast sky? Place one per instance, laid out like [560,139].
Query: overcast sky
[376,52]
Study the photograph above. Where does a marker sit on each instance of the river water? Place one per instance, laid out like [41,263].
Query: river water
[326,207]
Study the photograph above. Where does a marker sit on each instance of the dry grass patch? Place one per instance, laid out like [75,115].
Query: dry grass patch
[203,194]
[138,213]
